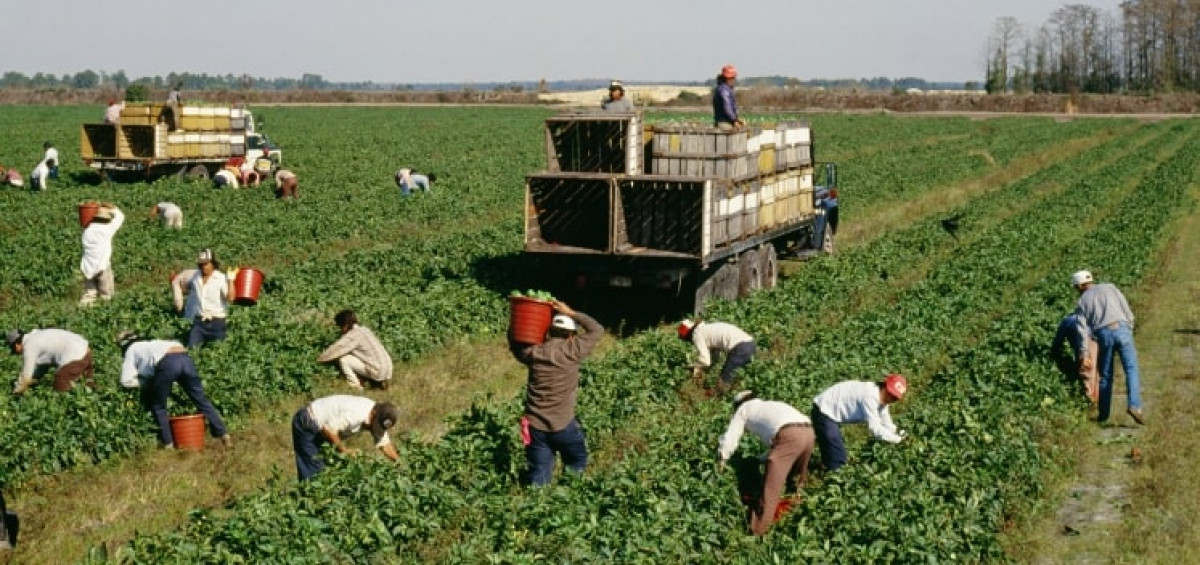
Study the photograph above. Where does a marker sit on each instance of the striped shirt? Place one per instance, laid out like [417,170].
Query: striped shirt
[361,343]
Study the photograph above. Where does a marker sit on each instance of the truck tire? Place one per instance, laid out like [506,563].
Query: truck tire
[725,281]
[198,172]
[750,273]
[770,266]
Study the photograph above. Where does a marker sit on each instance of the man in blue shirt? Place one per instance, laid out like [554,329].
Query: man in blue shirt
[725,114]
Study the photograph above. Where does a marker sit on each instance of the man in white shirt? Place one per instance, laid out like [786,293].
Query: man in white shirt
[790,437]
[335,418]
[154,366]
[225,178]
[170,213]
[67,352]
[729,339]
[852,402]
[207,301]
[38,179]
[50,158]
[96,263]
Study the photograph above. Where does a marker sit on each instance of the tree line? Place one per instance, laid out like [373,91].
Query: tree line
[90,79]
[1143,46]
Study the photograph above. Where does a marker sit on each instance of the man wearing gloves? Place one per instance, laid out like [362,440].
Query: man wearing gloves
[96,263]
[724,338]
[852,402]
[548,426]
[67,352]
[207,300]
[790,437]
[358,353]
[1104,314]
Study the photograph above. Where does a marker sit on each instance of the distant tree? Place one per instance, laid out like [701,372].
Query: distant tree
[137,92]
[85,79]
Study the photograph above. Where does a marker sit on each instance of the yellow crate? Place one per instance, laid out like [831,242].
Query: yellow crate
[766,159]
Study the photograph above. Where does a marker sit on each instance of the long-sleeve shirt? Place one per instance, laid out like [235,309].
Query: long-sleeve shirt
[858,401]
[210,299]
[707,336]
[361,343]
[141,358]
[97,244]
[553,383]
[1102,305]
[40,172]
[622,105]
[169,211]
[724,104]
[50,347]
[51,154]
[763,418]
[345,415]
[180,287]
[112,114]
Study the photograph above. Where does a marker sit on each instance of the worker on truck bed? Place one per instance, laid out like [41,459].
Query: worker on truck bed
[68,352]
[725,113]
[172,216]
[96,263]
[855,401]
[208,300]
[736,344]
[358,353]
[175,102]
[616,101]
[112,113]
[548,426]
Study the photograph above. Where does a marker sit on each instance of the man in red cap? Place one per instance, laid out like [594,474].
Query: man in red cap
[725,114]
[853,402]
[735,343]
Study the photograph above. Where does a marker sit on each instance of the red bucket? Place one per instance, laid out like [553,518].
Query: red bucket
[529,319]
[188,431]
[246,285]
[87,211]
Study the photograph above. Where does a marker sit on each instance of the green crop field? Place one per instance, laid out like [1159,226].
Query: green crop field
[968,319]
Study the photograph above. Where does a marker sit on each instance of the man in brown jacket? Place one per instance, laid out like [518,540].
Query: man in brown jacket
[548,426]
[358,353]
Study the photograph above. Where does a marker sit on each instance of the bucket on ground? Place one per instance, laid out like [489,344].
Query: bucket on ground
[87,211]
[529,319]
[246,285]
[188,431]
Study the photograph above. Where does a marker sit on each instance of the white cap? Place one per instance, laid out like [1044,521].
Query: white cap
[563,323]
[1081,277]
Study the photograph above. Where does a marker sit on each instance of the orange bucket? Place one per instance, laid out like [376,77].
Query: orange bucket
[246,285]
[529,319]
[87,211]
[188,431]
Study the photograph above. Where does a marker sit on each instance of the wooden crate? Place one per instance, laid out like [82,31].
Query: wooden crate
[700,151]
[594,142]
[98,141]
[653,214]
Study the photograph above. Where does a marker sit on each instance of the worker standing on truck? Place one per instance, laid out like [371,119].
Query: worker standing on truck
[1104,314]
[790,437]
[852,402]
[172,216]
[175,102]
[208,300]
[736,344]
[50,156]
[286,185]
[96,263]
[335,418]
[548,426]
[154,366]
[725,112]
[358,353]
[112,113]
[616,101]
[66,351]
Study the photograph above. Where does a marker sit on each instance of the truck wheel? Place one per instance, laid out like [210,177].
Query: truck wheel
[725,281]
[769,266]
[750,275]
[198,172]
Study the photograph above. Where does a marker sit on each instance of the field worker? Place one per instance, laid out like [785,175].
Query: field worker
[409,180]
[1104,314]
[169,212]
[225,178]
[175,102]
[154,366]
[51,158]
[112,113]
[725,113]
[335,418]
[616,101]
[181,283]
[67,352]
[787,432]
[737,345]
[286,184]
[96,263]
[548,426]
[249,176]
[358,353]
[12,177]
[852,402]
[1084,352]
[39,179]
[208,300]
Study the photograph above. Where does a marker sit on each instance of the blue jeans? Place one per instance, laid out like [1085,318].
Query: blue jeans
[569,441]
[1068,332]
[829,439]
[178,367]
[738,357]
[202,331]
[1120,342]
[307,440]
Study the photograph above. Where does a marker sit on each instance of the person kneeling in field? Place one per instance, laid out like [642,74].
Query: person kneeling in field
[790,437]
[358,353]
[851,402]
[172,216]
[335,418]
[69,353]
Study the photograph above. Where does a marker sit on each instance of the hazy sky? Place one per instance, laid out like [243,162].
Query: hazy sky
[482,41]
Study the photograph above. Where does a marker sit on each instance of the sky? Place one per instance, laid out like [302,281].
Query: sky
[461,41]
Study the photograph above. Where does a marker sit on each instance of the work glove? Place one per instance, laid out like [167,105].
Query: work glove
[232,272]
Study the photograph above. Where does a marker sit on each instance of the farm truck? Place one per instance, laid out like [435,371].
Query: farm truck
[685,210]
[144,143]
